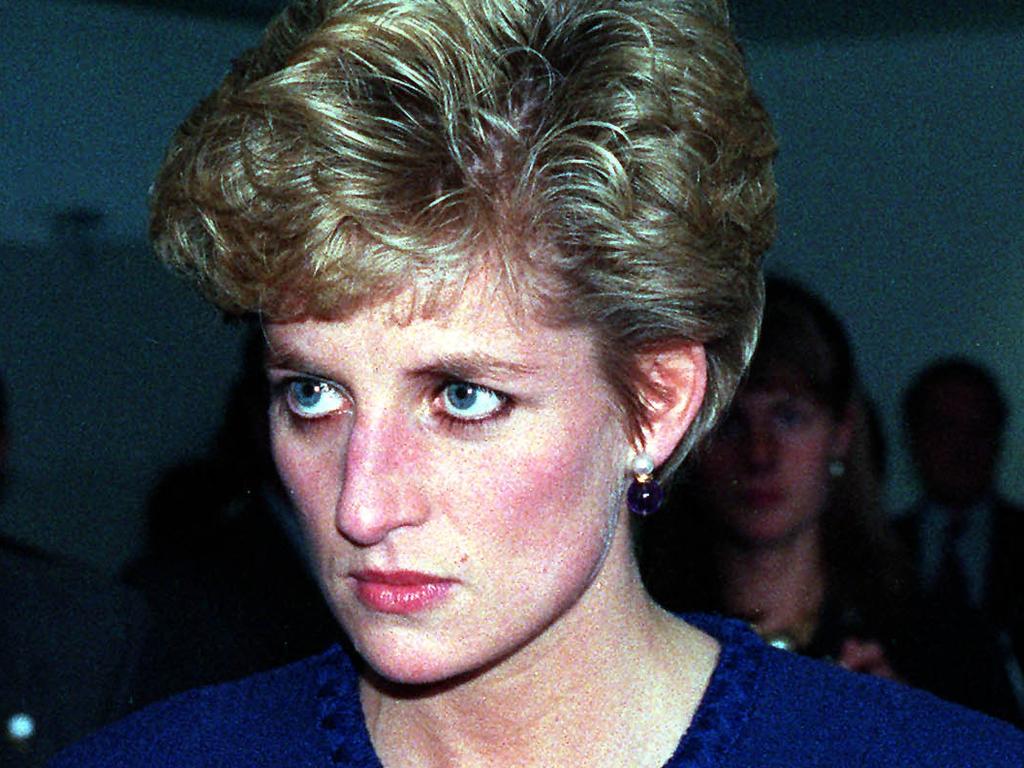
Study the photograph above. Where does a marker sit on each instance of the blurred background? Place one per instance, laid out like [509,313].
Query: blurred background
[901,175]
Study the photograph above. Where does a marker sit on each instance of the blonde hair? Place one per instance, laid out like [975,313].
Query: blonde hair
[606,158]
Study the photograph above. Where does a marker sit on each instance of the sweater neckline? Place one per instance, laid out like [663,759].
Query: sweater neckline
[726,705]
[719,720]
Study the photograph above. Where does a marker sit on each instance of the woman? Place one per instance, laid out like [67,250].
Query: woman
[779,522]
[506,255]
[787,530]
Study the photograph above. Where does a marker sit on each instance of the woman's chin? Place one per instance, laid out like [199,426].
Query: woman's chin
[406,661]
[408,672]
[428,660]
[764,527]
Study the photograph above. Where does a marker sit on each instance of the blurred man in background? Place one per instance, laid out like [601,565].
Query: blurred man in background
[69,640]
[966,539]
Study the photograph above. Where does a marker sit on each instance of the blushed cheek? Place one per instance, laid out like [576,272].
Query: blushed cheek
[554,499]
[535,492]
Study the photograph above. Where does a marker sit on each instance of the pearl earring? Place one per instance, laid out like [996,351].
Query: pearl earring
[645,494]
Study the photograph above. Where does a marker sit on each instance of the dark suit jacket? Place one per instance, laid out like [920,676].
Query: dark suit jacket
[987,640]
[68,646]
[1003,602]
[1005,599]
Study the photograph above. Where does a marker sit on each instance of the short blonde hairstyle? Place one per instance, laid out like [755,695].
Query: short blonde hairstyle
[607,157]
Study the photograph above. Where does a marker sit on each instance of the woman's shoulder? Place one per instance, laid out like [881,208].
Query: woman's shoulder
[268,719]
[798,711]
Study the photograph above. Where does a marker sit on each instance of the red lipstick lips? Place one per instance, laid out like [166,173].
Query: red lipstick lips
[399,592]
[762,500]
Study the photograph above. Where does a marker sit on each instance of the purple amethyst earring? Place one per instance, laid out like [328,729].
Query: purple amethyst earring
[644,495]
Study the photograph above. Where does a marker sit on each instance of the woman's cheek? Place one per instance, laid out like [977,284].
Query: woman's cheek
[718,478]
[311,472]
[552,490]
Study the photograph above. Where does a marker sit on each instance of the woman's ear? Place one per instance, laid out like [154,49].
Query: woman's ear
[675,378]
[842,435]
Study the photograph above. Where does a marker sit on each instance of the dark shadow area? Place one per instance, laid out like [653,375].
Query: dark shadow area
[223,569]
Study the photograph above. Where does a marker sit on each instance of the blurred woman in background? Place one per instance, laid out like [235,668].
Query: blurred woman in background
[780,522]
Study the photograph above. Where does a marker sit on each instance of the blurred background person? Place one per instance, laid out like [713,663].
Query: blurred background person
[69,644]
[224,570]
[967,540]
[780,522]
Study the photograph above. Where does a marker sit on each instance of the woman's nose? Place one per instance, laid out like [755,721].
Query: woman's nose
[380,489]
[762,447]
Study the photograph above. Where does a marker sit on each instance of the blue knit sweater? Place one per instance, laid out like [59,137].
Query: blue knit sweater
[763,708]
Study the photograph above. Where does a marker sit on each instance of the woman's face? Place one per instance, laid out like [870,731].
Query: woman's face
[459,477]
[765,473]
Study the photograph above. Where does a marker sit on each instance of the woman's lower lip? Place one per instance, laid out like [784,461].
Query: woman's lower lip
[401,598]
[762,499]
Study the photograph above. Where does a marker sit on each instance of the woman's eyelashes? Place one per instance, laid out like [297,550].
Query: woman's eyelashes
[789,416]
[464,401]
[310,398]
[454,402]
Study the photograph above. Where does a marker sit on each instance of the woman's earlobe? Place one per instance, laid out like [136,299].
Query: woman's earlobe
[675,378]
[853,419]
[645,494]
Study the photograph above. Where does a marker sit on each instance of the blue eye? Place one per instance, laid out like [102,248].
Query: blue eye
[470,402]
[788,416]
[313,399]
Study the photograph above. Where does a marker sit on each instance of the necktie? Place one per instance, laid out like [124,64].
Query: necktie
[951,583]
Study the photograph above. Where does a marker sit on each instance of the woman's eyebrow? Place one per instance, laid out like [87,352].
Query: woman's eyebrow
[291,358]
[474,365]
[462,364]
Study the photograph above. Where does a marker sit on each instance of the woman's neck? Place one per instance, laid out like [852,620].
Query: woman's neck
[779,588]
[616,675]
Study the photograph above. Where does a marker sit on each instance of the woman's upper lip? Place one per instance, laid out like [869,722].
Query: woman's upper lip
[400,578]
[762,495]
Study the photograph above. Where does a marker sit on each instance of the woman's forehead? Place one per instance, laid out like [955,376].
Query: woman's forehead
[487,290]
[778,381]
[478,316]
